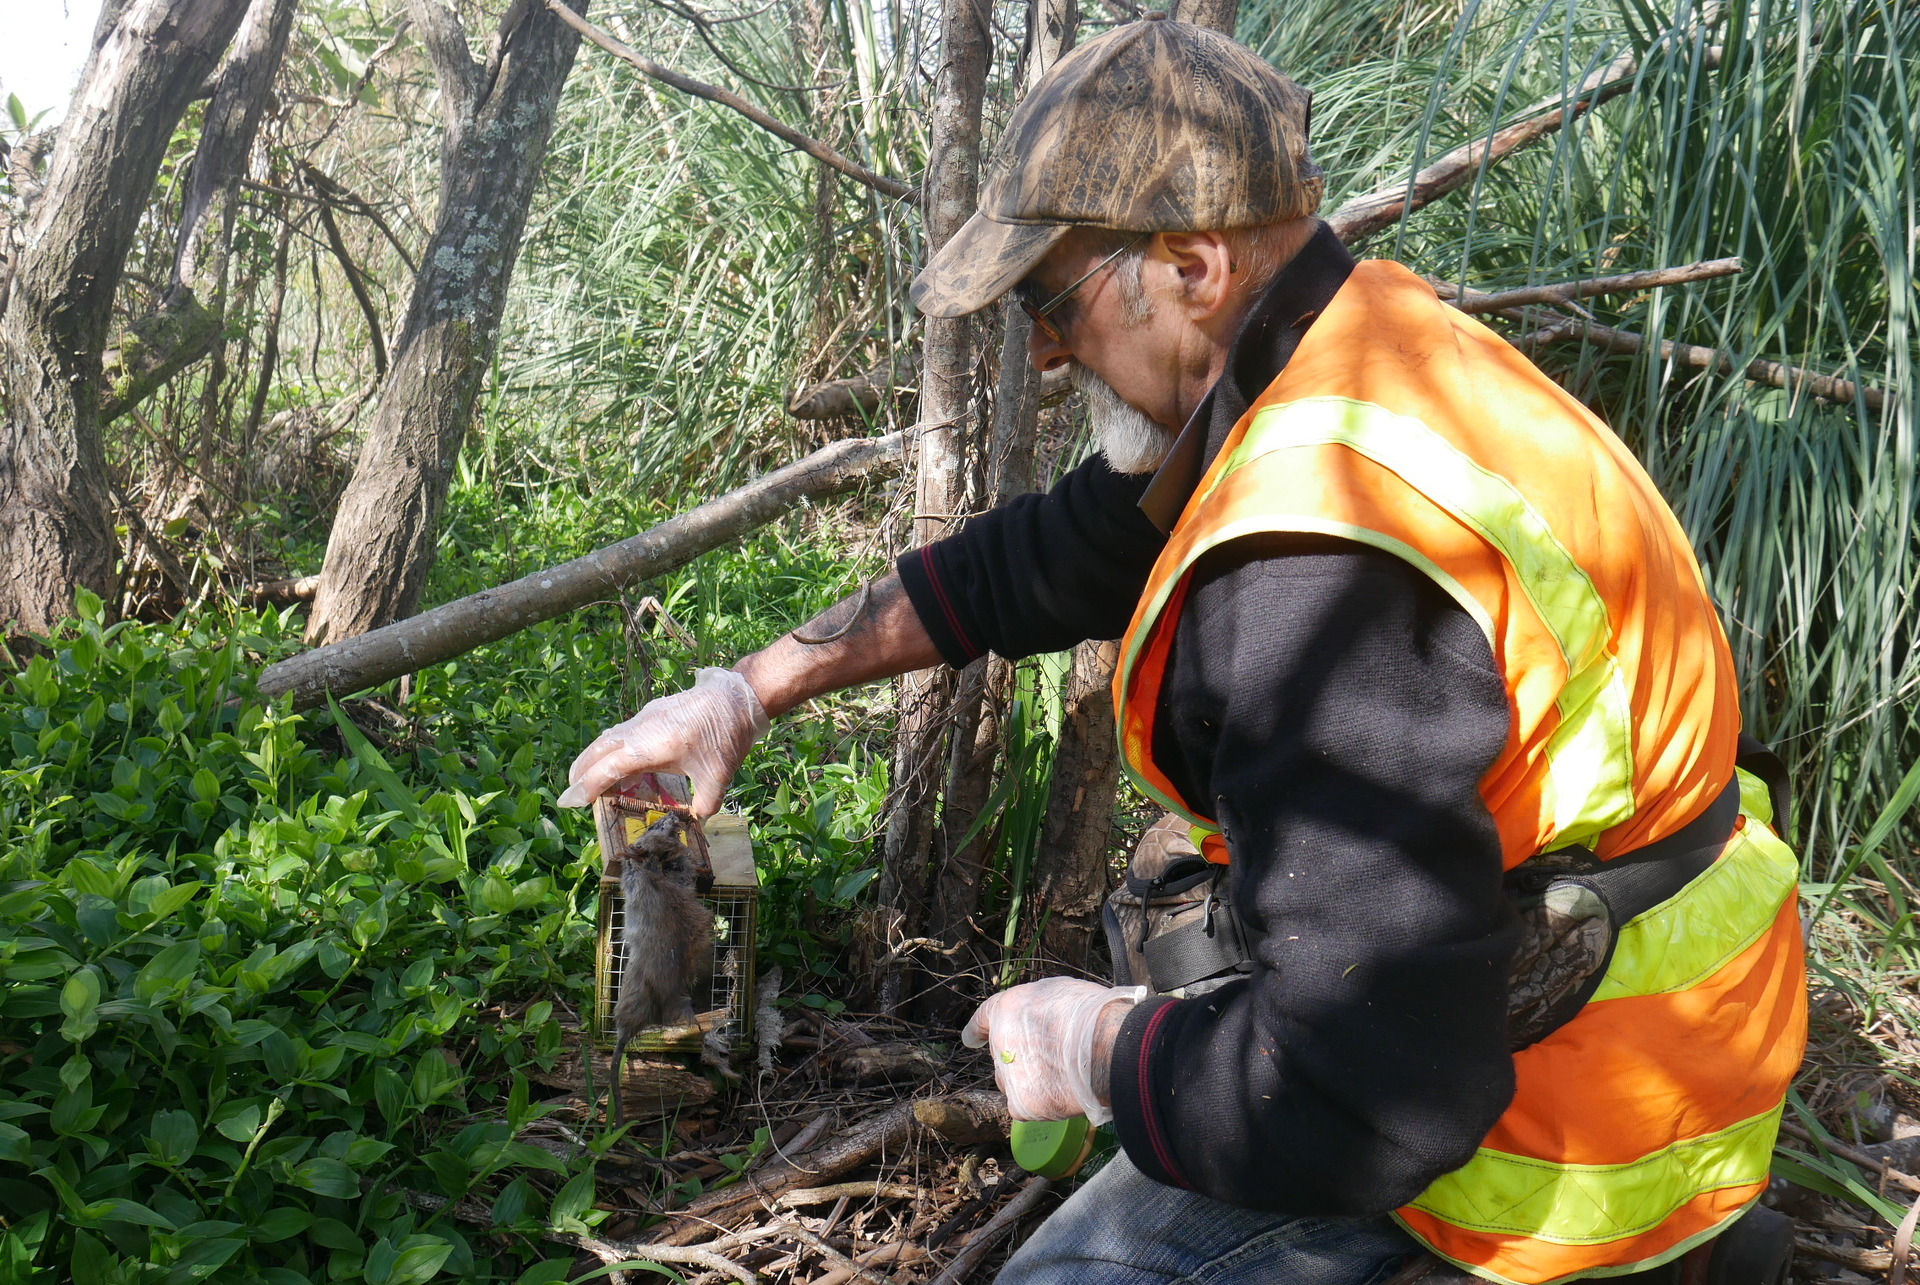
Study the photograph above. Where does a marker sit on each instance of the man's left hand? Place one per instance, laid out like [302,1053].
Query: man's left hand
[1052,1042]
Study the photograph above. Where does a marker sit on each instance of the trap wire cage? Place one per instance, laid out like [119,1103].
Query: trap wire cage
[725,1003]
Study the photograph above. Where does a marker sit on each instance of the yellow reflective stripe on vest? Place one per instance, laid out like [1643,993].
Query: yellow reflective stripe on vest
[1591,752]
[1691,936]
[1592,1204]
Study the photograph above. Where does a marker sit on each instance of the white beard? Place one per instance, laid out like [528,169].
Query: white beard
[1131,442]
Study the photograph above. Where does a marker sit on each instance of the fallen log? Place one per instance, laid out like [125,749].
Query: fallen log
[372,658]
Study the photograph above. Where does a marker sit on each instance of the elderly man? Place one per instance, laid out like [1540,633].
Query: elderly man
[1425,668]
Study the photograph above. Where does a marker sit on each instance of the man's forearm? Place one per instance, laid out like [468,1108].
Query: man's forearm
[870,635]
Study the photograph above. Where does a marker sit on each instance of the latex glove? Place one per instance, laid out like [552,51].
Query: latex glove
[1044,1036]
[702,733]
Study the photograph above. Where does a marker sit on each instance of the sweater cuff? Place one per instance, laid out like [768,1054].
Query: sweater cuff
[1136,1116]
[919,572]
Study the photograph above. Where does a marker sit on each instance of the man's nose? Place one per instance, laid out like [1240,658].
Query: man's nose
[1044,351]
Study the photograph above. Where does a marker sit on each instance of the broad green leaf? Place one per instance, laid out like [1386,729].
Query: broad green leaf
[116,1209]
[326,1177]
[173,1137]
[278,1224]
[78,1000]
[239,1120]
[572,1202]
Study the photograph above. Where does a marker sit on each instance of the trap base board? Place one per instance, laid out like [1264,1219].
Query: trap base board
[735,902]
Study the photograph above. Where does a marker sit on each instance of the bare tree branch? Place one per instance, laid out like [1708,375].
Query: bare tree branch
[1551,327]
[727,98]
[453,67]
[1391,202]
[356,281]
[1796,379]
[1474,302]
[327,189]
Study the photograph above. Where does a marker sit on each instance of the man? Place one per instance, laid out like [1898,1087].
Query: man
[1414,646]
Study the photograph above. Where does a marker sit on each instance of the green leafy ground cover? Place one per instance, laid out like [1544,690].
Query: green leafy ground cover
[260,978]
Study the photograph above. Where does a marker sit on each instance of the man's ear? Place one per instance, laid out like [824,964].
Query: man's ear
[1205,266]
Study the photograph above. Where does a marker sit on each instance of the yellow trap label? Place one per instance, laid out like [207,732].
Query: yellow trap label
[637,827]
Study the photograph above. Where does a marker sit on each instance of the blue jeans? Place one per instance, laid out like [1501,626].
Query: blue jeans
[1121,1228]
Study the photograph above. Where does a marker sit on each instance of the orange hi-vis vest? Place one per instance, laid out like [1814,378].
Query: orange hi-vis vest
[1643,1125]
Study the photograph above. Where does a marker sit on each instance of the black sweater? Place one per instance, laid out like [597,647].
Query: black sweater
[1335,710]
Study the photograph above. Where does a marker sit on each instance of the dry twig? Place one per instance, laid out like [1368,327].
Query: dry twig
[1862,1260]
[849,1190]
[1474,302]
[860,1271]
[987,1237]
[1872,1164]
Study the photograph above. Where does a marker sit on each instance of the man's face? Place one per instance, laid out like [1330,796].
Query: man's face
[1143,357]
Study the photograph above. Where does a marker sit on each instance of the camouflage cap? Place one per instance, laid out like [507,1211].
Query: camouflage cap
[1157,126]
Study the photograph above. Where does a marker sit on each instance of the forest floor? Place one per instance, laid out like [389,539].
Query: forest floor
[861,1149]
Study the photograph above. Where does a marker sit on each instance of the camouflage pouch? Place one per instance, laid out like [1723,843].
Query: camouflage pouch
[1170,926]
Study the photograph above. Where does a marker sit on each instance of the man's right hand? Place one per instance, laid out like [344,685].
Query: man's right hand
[703,733]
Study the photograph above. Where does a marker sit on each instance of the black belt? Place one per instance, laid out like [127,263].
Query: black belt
[1631,884]
[1637,881]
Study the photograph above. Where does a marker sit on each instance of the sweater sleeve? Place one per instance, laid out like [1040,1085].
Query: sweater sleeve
[1338,711]
[1041,572]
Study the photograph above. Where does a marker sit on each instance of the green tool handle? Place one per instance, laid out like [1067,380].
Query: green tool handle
[1051,1148]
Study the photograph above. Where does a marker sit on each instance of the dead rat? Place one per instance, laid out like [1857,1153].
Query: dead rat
[668,934]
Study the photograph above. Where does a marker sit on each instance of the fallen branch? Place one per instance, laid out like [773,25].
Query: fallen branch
[710,1256]
[1551,327]
[885,1131]
[858,394]
[282,592]
[1391,202]
[1861,1260]
[839,1260]
[864,394]
[1475,302]
[726,98]
[898,1253]
[866,1190]
[433,636]
[965,1118]
[987,1237]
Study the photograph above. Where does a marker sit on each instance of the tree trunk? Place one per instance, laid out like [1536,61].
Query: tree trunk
[946,412]
[1070,874]
[56,528]
[1002,469]
[187,325]
[498,120]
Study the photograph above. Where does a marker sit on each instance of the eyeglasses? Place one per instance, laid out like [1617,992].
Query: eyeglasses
[1041,312]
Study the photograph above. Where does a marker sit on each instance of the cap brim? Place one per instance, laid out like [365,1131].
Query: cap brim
[983,261]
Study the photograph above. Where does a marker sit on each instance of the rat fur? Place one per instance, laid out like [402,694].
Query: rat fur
[668,934]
